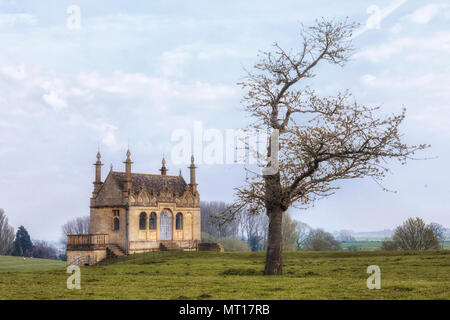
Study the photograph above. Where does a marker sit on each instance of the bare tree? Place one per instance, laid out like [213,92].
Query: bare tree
[345,236]
[302,234]
[210,211]
[415,235]
[6,234]
[78,225]
[438,230]
[254,229]
[42,249]
[289,233]
[321,139]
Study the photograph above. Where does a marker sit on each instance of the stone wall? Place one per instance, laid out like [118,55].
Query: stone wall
[210,247]
[83,257]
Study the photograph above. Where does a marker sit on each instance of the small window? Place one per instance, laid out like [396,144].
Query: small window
[143,221]
[179,222]
[152,221]
[116,224]
[116,213]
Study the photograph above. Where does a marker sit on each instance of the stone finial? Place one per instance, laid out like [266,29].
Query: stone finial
[163,168]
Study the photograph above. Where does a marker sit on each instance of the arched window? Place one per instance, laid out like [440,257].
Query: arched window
[152,221]
[116,224]
[143,221]
[179,222]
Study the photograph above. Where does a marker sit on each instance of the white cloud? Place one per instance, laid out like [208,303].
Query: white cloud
[426,96]
[172,62]
[90,100]
[105,130]
[54,100]
[425,14]
[12,19]
[156,90]
[412,48]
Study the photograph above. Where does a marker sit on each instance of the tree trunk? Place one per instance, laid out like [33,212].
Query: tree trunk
[274,258]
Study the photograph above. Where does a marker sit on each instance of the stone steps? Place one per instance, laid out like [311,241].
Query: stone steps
[114,251]
[169,246]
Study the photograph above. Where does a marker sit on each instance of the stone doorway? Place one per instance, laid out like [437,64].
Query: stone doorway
[165,228]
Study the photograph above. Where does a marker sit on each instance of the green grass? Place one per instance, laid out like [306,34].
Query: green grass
[19,264]
[370,245]
[362,245]
[213,275]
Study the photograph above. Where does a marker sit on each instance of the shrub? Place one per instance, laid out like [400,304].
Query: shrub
[320,244]
[388,245]
[233,245]
[415,235]
[207,238]
[319,240]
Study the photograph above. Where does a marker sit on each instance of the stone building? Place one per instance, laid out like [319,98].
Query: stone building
[137,212]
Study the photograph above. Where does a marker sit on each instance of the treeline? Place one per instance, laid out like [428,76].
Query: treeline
[248,232]
[20,244]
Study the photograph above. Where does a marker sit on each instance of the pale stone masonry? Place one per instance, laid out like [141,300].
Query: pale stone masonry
[136,212]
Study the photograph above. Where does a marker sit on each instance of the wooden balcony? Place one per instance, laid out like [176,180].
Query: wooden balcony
[87,241]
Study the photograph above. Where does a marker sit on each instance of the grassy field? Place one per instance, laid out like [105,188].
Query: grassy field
[19,264]
[365,245]
[362,245]
[211,275]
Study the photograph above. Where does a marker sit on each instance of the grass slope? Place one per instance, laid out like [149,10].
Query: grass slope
[19,264]
[212,275]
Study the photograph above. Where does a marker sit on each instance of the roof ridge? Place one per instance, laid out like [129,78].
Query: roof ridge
[148,174]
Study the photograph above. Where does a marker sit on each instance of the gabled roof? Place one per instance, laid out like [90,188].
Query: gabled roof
[154,183]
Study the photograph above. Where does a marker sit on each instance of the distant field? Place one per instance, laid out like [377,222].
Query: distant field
[370,245]
[362,245]
[18,264]
[213,275]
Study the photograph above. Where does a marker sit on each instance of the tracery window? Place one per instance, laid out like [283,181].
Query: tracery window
[179,221]
[143,221]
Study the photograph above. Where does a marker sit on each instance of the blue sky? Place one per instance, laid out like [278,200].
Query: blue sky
[136,71]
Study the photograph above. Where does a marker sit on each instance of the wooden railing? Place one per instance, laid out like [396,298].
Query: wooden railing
[87,241]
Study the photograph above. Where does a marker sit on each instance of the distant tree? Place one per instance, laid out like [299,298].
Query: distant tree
[207,238]
[22,243]
[289,233]
[438,230]
[415,235]
[42,249]
[388,245]
[345,236]
[210,211]
[302,234]
[320,240]
[6,235]
[254,229]
[78,225]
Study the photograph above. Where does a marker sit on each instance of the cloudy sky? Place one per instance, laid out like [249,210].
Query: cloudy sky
[135,72]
